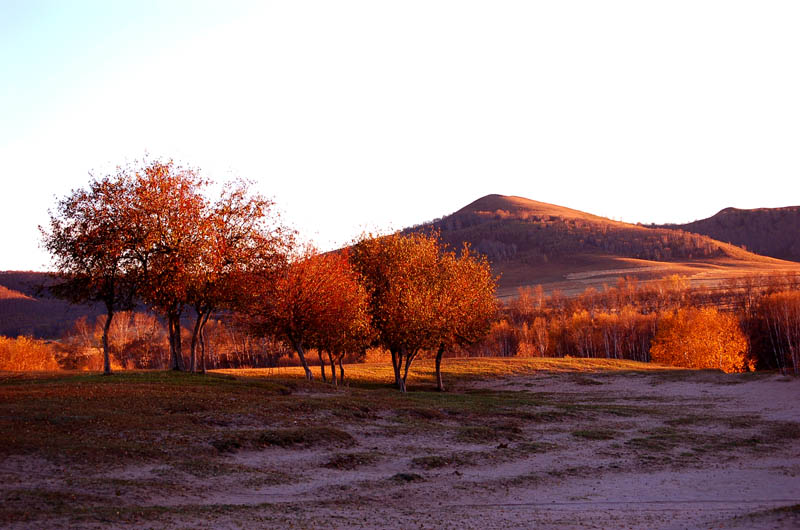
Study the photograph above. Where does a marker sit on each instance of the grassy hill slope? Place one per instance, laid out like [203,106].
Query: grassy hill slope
[530,242]
[769,231]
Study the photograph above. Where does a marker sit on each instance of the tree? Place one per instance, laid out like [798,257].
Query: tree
[242,237]
[312,300]
[700,338]
[89,238]
[167,204]
[403,276]
[344,323]
[466,303]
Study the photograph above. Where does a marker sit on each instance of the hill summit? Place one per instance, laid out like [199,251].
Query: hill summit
[520,207]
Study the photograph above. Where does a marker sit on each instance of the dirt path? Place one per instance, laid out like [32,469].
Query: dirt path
[596,450]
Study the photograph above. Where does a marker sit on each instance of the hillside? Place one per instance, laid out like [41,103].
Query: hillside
[769,231]
[530,242]
[24,312]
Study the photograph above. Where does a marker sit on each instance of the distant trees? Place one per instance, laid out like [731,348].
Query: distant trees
[781,314]
[622,321]
[536,238]
[700,338]
[26,354]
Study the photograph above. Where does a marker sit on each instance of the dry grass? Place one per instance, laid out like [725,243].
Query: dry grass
[422,371]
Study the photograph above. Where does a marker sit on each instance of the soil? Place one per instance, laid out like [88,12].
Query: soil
[595,450]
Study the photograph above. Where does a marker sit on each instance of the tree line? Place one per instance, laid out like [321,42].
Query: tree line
[161,236]
[151,234]
[745,323]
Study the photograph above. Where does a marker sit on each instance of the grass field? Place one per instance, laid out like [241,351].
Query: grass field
[562,441]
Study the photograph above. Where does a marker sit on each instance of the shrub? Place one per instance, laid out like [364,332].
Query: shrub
[25,353]
[701,338]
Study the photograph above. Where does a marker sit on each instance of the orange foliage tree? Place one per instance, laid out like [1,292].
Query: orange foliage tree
[242,236]
[26,354]
[316,300]
[700,338]
[466,305]
[345,324]
[402,276]
[423,297]
[169,210]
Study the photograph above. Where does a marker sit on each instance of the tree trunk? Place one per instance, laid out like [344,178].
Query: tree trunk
[396,363]
[176,355]
[333,369]
[203,342]
[198,323]
[106,353]
[300,353]
[439,354]
[341,370]
[409,358]
[322,365]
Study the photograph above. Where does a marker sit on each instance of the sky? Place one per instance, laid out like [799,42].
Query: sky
[377,115]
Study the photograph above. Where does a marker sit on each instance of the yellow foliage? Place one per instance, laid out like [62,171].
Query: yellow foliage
[700,339]
[26,354]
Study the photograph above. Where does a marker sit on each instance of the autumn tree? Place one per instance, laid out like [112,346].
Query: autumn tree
[344,322]
[700,338]
[242,237]
[169,209]
[309,302]
[406,282]
[466,302]
[90,238]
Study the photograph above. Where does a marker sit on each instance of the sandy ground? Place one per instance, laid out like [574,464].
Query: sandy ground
[699,451]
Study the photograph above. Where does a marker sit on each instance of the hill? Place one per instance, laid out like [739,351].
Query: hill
[530,242]
[23,311]
[769,231]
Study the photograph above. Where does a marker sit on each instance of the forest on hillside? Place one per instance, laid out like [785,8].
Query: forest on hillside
[767,231]
[502,236]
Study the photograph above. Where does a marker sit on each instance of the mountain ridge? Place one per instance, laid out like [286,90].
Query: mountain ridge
[771,232]
[531,242]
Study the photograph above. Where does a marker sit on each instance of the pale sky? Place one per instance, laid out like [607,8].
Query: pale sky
[378,115]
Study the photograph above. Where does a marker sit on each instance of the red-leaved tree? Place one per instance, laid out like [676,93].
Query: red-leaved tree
[314,301]
[90,240]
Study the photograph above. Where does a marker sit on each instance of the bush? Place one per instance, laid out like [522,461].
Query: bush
[25,353]
[701,338]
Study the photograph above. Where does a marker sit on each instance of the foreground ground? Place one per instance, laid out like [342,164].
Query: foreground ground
[513,444]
